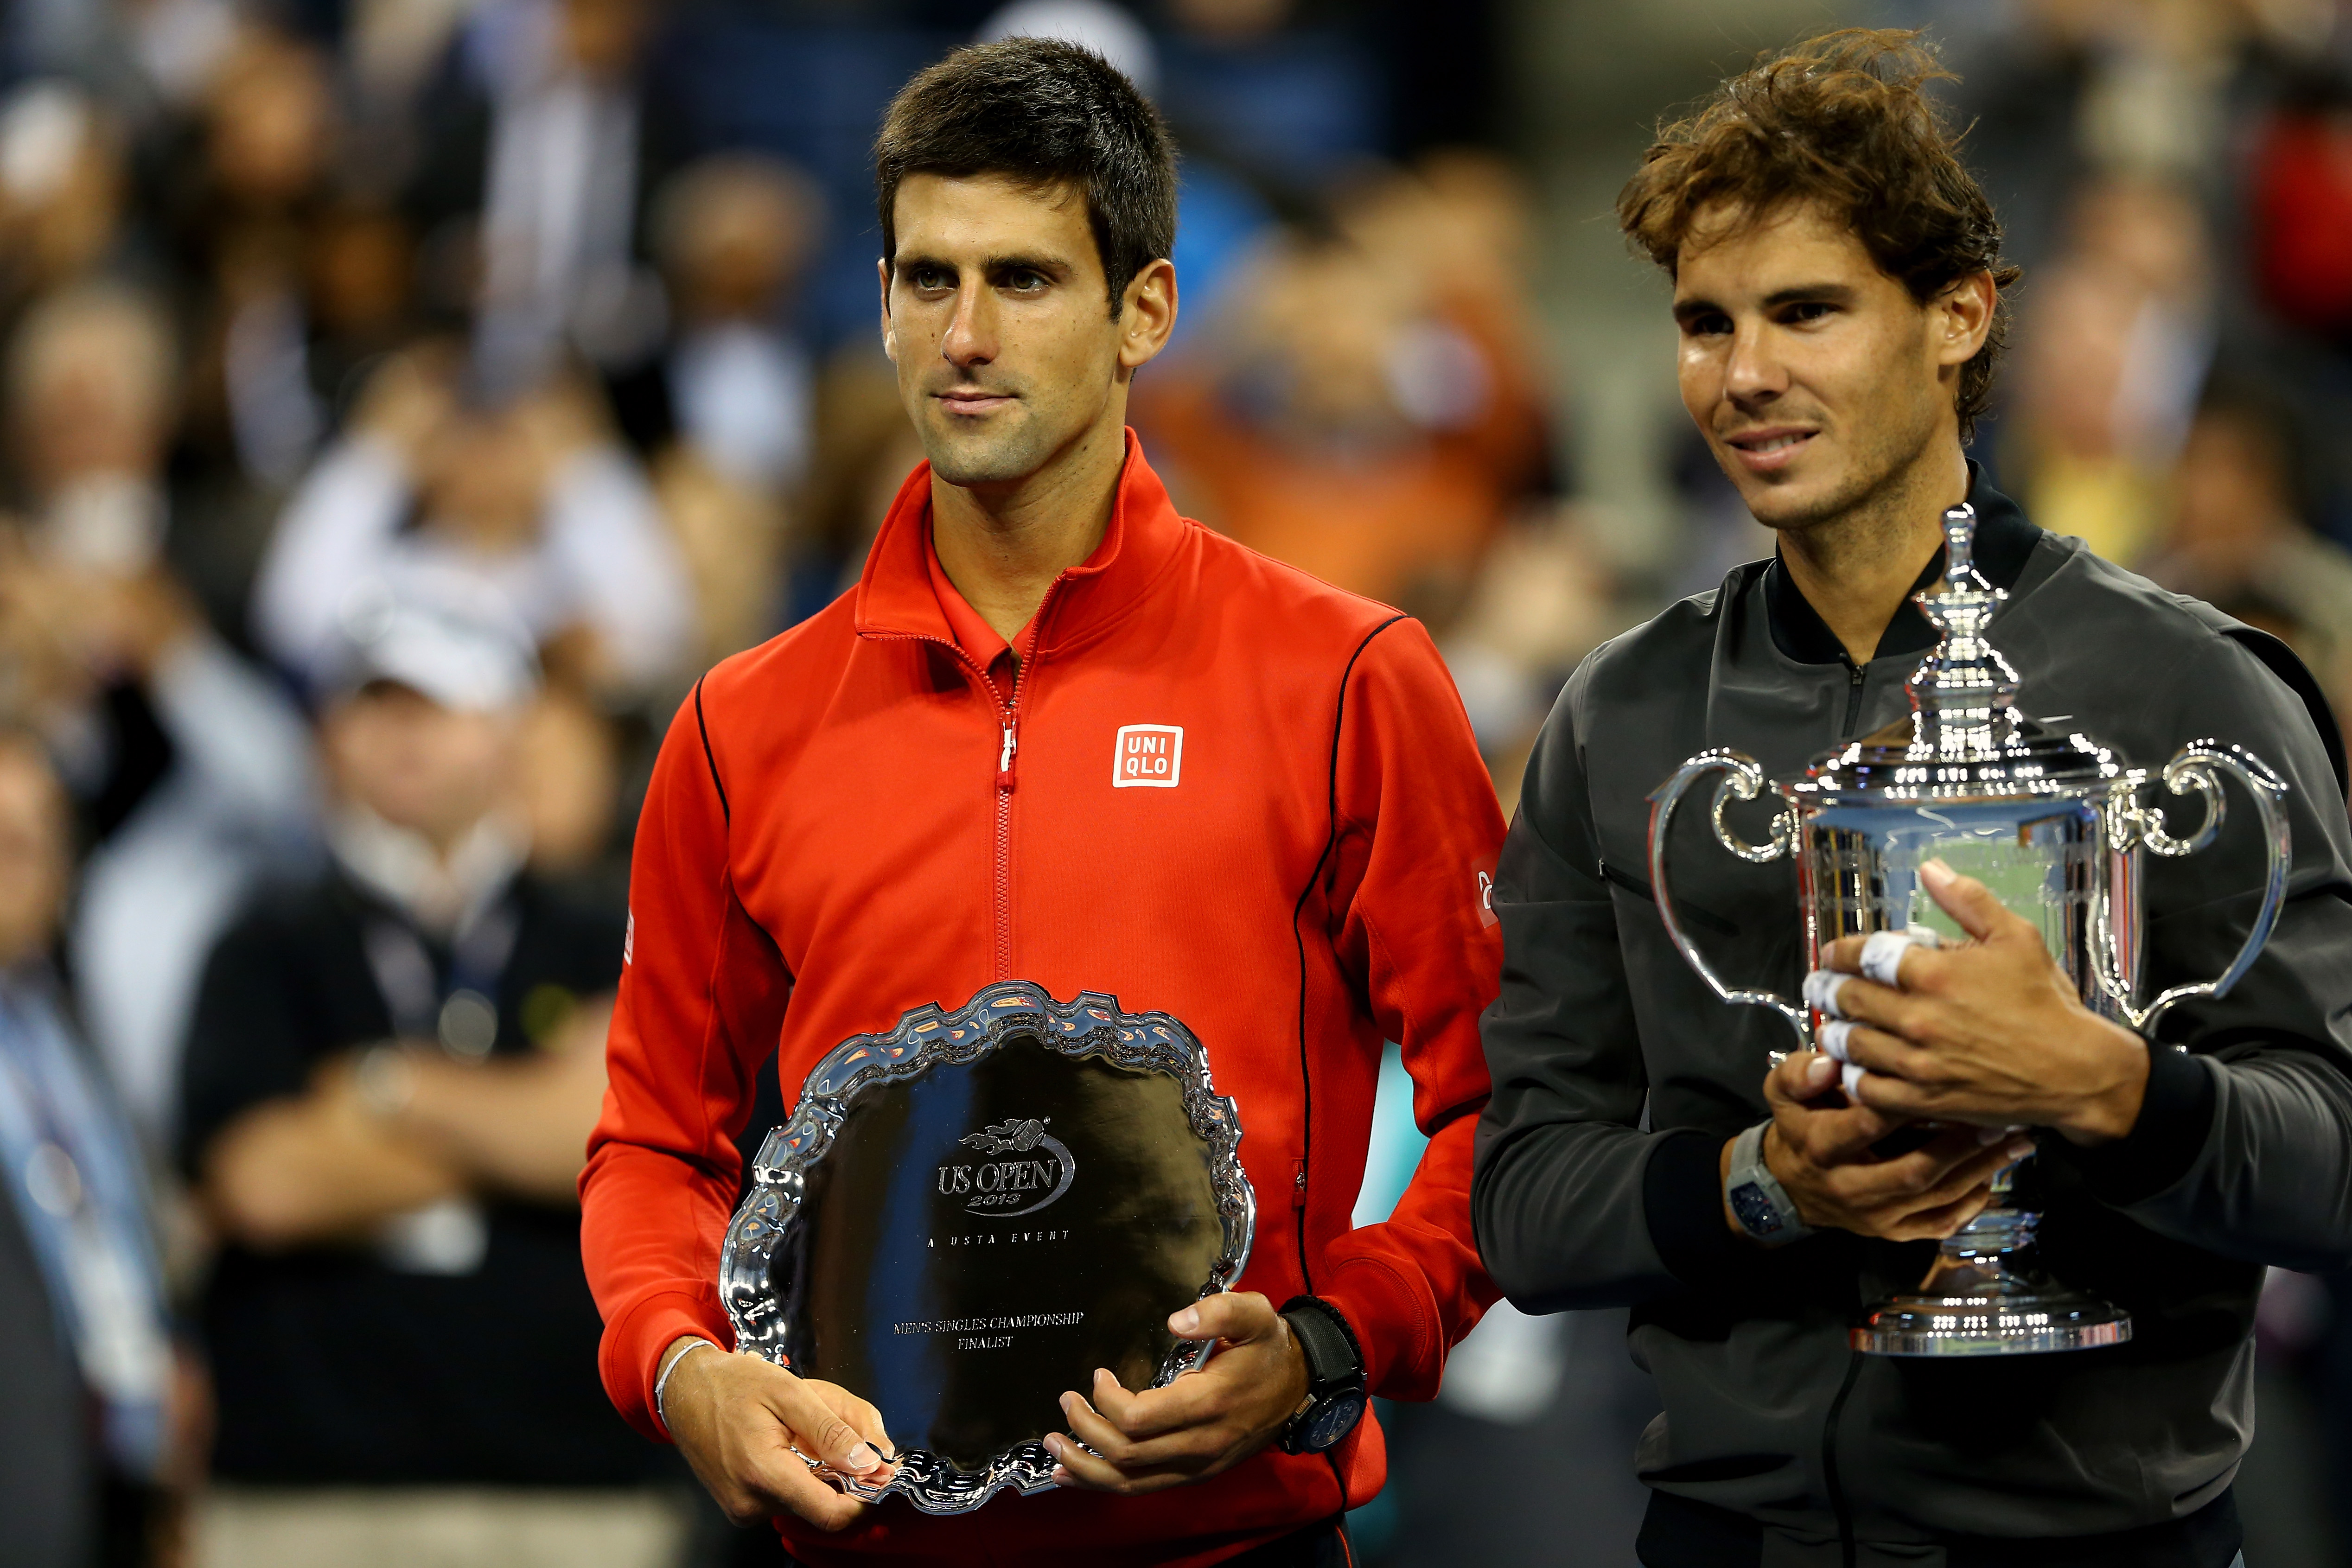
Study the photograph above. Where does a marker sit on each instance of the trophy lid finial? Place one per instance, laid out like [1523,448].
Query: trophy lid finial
[1963,693]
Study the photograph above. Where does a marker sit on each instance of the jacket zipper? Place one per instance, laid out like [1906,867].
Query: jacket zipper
[1840,1509]
[1009,717]
[1848,1547]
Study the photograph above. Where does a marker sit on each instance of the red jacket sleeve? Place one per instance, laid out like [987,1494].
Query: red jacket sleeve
[702,1001]
[1419,828]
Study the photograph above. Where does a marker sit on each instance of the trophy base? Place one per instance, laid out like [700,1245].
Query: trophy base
[1977,1306]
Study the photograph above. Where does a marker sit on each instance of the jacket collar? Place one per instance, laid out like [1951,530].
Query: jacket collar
[2005,538]
[896,599]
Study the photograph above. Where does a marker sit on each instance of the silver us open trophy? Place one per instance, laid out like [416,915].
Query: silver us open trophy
[2053,824]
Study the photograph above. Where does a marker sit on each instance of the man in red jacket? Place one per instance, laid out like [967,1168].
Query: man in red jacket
[923,790]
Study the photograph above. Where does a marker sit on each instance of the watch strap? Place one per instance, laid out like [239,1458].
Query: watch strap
[1334,1358]
[1758,1200]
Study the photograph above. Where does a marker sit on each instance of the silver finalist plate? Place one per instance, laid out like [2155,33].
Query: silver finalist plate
[967,1215]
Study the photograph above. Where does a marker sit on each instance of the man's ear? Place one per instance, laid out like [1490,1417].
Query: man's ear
[1147,314]
[889,326]
[1961,318]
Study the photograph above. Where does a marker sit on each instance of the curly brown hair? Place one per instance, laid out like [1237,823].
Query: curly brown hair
[1843,120]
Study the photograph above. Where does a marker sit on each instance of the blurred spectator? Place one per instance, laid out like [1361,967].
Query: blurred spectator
[1540,601]
[732,233]
[262,246]
[86,1431]
[1230,21]
[89,384]
[1363,408]
[528,494]
[568,786]
[192,769]
[864,449]
[2116,337]
[727,409]
[147,59]
[62,191]
[547,141]
[1109,30]
[2239,542]
[2153,98]
[1289,92]
[2300,236]
[393,45]
[389,1085]
[2301,208]
[250,190]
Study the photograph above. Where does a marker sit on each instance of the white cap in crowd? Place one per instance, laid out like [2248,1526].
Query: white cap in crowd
[442,635]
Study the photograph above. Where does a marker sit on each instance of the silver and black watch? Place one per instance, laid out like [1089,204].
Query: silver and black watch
[1336,1396]
[1758,1202]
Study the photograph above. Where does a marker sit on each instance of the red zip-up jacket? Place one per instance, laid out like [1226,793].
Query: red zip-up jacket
[851,821]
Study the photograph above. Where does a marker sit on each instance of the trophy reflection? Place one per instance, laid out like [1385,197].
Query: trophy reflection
[2053,824]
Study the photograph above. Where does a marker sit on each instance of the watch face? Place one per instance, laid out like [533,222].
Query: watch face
[1331,1420]
[1754,1209]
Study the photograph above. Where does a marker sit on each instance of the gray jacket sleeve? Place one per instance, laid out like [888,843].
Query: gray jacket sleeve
[2244,1143]
[1556,1192]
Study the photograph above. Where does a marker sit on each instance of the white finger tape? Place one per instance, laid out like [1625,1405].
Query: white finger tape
[1833,1039]
[1850,1077]
[1822,991]
[1882,955]
[1924,936]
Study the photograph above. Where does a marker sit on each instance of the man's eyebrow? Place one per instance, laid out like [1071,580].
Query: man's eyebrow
[1795,294]
[1811,294]
[1046,265]
[990,267]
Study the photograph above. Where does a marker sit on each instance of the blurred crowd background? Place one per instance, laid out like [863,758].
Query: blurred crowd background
[403,400]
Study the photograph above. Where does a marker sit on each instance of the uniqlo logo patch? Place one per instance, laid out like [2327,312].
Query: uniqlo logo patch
[1147,756]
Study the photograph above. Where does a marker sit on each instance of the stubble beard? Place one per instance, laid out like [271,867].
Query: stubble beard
[1005,448]
[1881,475]
[976,457]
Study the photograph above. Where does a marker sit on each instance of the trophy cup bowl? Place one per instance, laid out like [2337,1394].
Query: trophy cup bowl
[967,1214]
[2053,824]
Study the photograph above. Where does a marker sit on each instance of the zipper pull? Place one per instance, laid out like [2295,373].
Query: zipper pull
[1004,762]
[1856,675]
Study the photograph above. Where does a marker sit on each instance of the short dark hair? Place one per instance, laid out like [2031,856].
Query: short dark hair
[1044,112]
[1845,120]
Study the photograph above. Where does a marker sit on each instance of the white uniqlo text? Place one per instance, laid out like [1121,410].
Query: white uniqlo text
[1148,755]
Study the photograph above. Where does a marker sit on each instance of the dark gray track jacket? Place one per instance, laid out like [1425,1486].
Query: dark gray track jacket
[1617,1077]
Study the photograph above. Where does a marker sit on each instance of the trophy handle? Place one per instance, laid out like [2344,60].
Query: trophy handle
[2195,768]
[1743,780]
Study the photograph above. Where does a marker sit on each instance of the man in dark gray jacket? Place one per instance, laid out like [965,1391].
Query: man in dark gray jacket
[1837,290]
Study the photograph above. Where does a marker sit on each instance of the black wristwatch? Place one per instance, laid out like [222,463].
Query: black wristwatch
[1335,1376]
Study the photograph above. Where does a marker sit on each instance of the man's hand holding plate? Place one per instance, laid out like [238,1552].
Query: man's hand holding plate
[1203,1424]
[738,1419]
[1989,1032]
